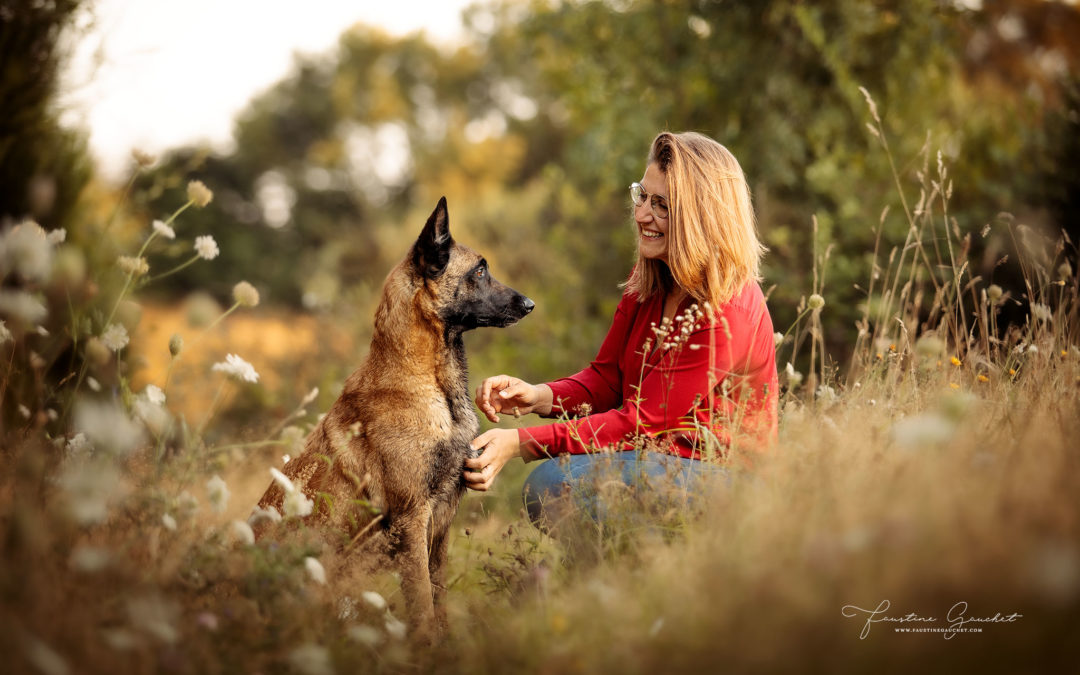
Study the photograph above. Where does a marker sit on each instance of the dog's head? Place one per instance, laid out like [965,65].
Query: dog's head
[467,296]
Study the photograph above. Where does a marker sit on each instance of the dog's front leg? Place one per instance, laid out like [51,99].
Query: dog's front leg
[412,557]
[440,544]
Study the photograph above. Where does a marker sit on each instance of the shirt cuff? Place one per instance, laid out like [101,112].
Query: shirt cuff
[532,448]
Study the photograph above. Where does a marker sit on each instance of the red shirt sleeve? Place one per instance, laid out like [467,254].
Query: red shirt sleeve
[600,385]
[678,385]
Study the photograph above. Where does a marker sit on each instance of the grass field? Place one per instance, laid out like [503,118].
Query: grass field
[931,486]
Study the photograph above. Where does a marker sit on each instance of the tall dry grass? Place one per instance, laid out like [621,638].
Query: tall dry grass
[937,473]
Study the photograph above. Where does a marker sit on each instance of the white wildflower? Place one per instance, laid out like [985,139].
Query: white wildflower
[922,430]
[365,635]
[168,521]
[376,601]
[994,293]
[1032,349]
[198,193]
[242,533]
[206,247]
[815,301]
[217,493]
[282,480]
[88,489]
[826,394]
[260,515]
[164,230]
[115,337]
[778,339]
[136,267]
[794,377]
[142,158]
[154,394]
[297,505]
[25,249]
[394,628]
[186,504]
[237,368]
[22,306]
[155,417]
[245,294]
[1041,312]
[312,659]
[57,236]
[107,427]
[315,570]
[78,446]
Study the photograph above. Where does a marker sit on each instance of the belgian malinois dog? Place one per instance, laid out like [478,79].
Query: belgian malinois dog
[384,466]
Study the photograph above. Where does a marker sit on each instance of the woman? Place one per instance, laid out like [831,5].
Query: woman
[689,361]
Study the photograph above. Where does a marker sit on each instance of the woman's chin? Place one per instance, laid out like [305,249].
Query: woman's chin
[652,250]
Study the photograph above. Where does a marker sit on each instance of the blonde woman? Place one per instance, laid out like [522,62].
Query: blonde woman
[688,363]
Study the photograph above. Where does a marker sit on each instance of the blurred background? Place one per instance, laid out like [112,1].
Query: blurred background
[532,118]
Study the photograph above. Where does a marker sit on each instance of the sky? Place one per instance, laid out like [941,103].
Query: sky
[156,74]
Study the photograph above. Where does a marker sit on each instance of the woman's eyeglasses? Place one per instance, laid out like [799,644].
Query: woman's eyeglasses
[657,204]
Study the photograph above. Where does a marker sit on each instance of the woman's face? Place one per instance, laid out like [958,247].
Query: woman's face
[652,230]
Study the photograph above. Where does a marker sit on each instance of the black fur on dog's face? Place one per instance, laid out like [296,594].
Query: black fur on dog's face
[468,296]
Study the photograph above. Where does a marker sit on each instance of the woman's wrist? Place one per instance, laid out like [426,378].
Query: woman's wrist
[544,399]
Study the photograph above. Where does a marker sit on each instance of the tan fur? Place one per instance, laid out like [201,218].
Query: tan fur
[390,451]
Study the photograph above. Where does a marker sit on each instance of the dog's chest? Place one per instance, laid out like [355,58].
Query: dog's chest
[459,427]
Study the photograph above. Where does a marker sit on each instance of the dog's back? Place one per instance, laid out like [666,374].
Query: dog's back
[385,463]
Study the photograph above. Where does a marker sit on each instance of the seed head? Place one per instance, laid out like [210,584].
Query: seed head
[164,230]
[815,301]
[245,294]
[198,193]
[176,344]
[206,247]
[136,267]
[993,294]
[143,159]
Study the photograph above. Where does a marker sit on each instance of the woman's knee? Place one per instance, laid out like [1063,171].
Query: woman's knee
[546,482]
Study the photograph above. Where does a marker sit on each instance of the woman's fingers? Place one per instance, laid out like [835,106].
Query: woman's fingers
[502,392]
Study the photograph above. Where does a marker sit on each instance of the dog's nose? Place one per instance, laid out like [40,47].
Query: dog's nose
[527,304]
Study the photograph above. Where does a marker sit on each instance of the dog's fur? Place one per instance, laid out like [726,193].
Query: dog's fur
[386,461]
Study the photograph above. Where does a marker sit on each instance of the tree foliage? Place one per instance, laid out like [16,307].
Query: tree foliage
[536,126]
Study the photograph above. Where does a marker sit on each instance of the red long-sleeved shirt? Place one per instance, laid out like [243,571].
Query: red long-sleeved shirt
[667,393]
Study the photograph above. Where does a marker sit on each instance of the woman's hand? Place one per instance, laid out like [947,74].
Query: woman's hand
[500,446]
[503,393]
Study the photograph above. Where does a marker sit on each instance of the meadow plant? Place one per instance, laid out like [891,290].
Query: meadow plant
[936,469]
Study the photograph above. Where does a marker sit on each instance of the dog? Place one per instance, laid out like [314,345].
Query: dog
[384,466]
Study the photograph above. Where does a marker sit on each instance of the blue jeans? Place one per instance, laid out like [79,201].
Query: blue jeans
[578,479]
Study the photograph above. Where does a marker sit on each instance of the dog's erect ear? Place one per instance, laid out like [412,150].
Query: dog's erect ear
[431,253]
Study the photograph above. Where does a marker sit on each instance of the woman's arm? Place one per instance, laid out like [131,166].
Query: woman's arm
[673,386]
[599,385]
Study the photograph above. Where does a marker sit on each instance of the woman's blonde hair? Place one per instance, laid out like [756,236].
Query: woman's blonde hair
[713,247]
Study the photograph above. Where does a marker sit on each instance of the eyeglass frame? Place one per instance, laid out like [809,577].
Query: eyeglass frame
[653,200]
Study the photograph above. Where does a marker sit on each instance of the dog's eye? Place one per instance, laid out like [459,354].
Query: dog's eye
[480,273]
